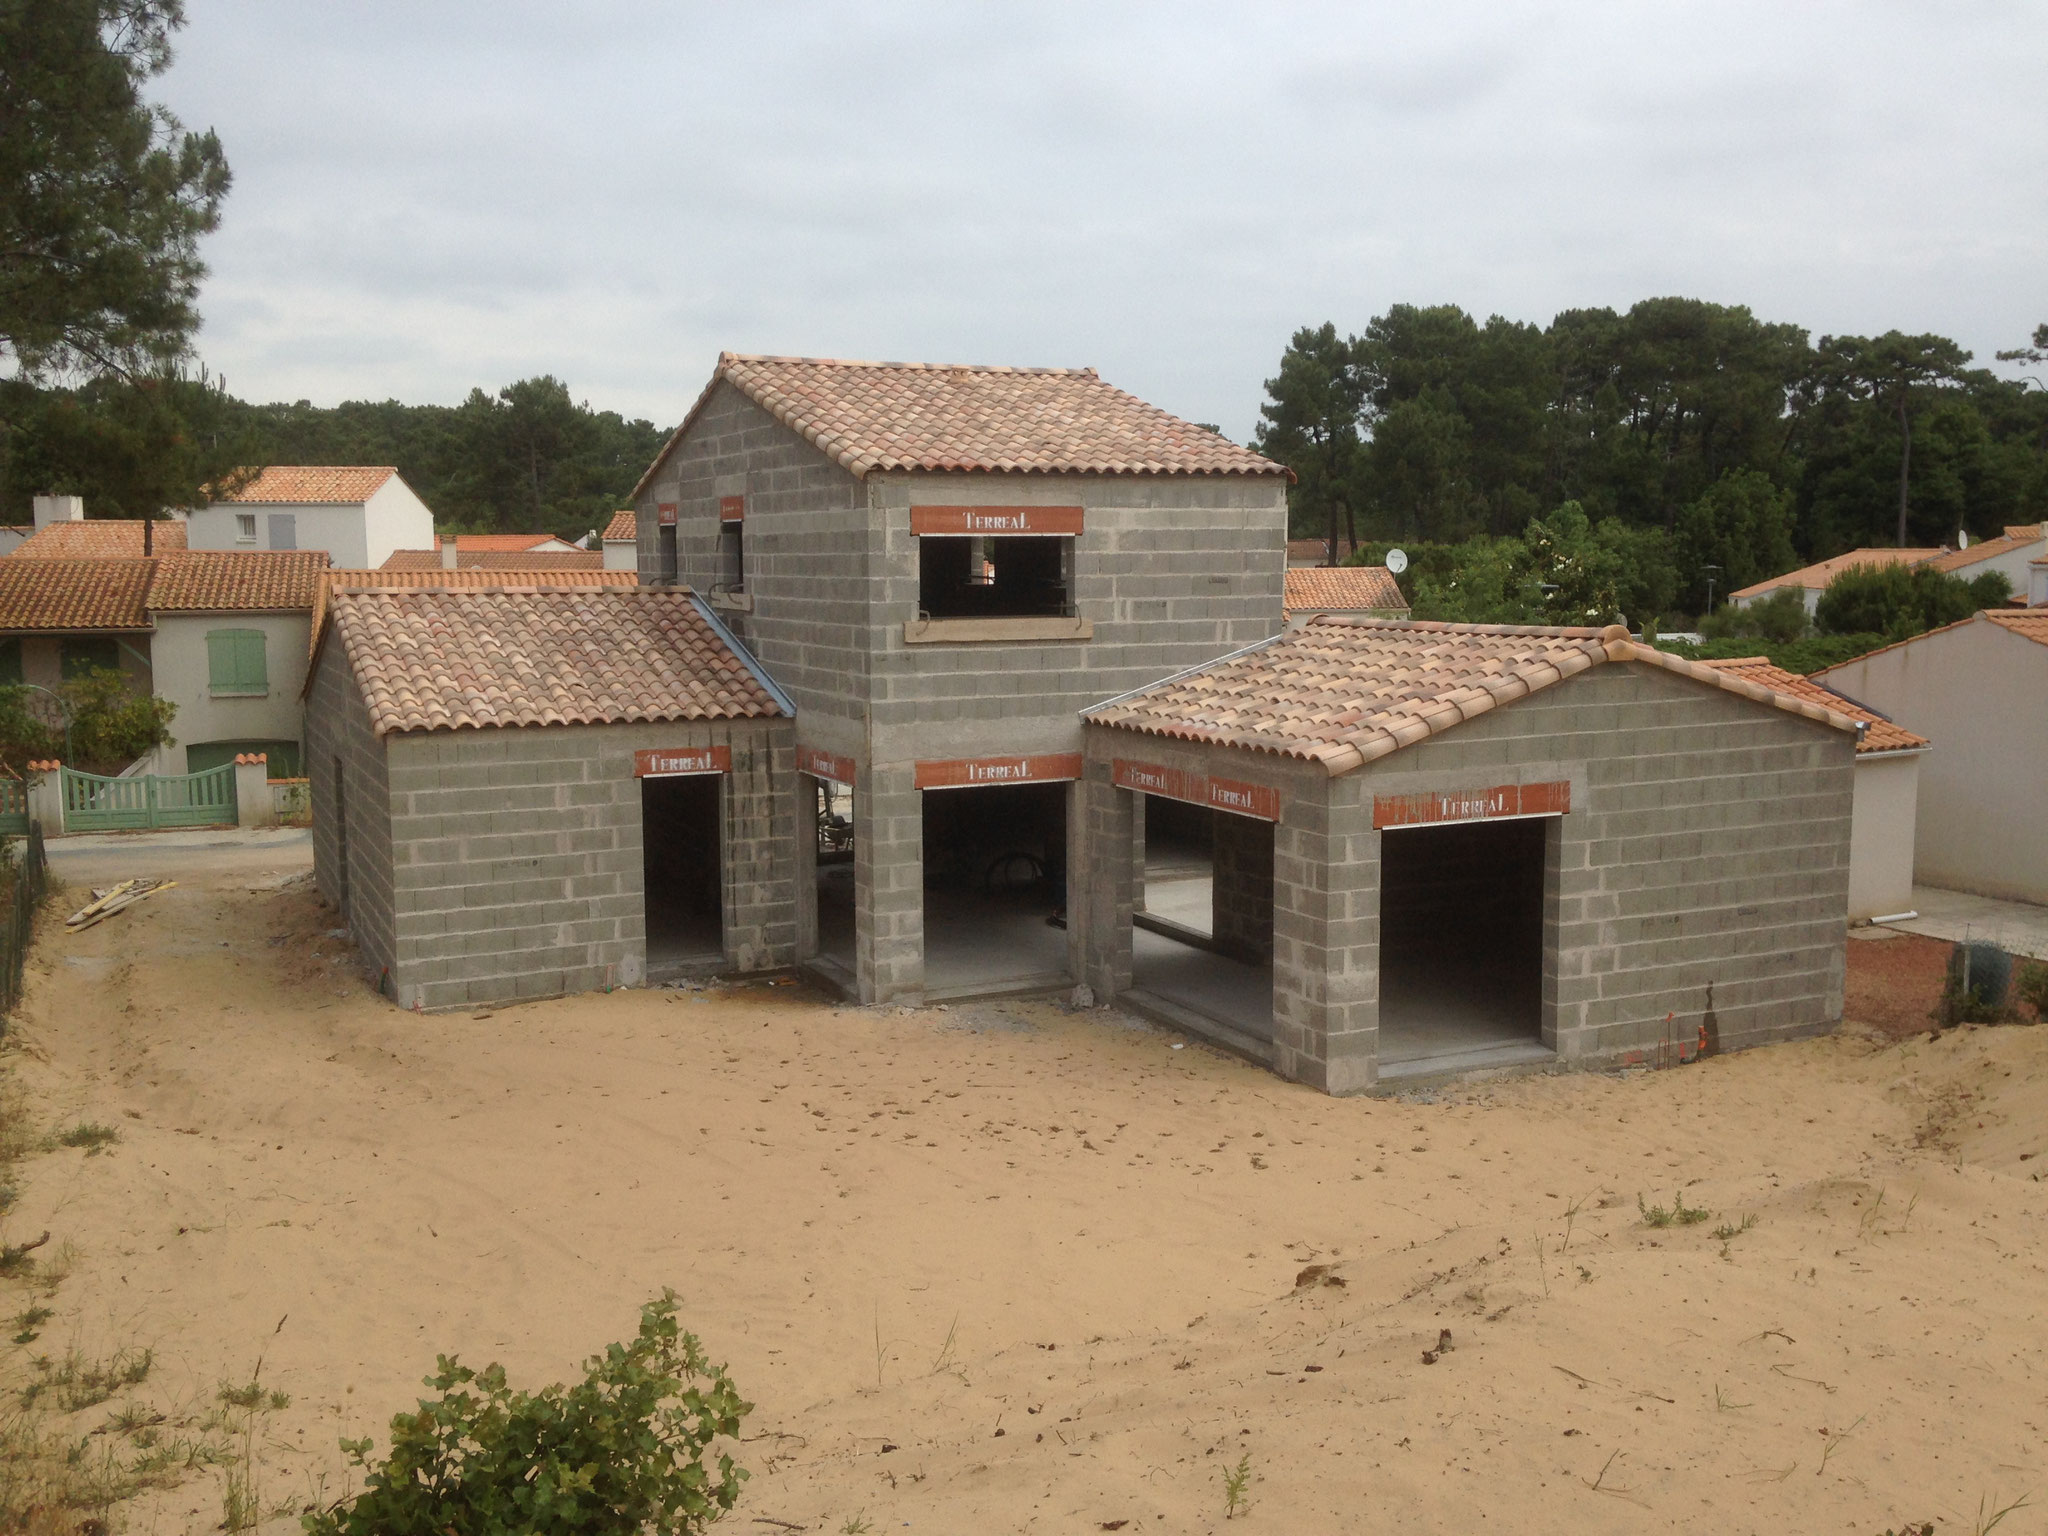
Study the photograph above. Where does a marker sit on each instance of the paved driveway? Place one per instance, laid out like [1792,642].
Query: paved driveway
[101,858]
[2019,927]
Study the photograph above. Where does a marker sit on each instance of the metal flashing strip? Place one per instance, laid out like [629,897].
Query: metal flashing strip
[1200,666]
[746,657]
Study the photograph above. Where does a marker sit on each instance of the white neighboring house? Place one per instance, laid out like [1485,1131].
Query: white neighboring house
[622,542]
[2010,556]
[2037,583]
[358,514]
[1812,580]
[1886,797]
[1980,688]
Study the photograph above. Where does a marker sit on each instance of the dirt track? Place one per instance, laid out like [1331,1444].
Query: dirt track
[1109,1229]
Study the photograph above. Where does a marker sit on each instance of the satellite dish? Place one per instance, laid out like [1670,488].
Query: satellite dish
[1397,561]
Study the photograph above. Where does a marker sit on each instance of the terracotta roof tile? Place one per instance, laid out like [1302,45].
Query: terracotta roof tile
[252,581]
[1883,735]
[2029,623]
[100,538]
[2015,540]
[343,483]
[1341,587]
[498,559]
[445,660]
[467,578]
[926,416]
[1819,574]
[52,594]
[1345,691]
[623,526]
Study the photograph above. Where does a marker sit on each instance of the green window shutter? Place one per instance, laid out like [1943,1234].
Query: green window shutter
[235,661]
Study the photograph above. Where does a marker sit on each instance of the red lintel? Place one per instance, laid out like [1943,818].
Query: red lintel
[669,762]
[732,509]
[997,522]
[1503,801]
[1029,768]
[824,765]
[1260,801]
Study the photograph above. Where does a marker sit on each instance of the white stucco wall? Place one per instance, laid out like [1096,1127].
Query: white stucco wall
[2012,565]
[183,676]
[356,535]
[1811,596]
[1881,837]
[621,555]
[1981,693]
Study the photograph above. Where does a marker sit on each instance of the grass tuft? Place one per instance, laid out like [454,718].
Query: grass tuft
[1679,1213]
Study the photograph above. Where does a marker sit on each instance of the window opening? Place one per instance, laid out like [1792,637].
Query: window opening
[245,527]
[665,551]
[1202,936]
[235,663]
[732,557]
[979,576]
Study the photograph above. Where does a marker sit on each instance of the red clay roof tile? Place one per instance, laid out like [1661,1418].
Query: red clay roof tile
[1882,735]
[449,660]
[1338,588]
[252,581]
[53,594]
[306,483]
[101,538]
[1344,691]
[930,416]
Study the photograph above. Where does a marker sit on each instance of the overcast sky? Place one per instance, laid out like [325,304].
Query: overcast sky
[431,196]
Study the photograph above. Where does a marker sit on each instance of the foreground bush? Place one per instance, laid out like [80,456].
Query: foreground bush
[624,1450]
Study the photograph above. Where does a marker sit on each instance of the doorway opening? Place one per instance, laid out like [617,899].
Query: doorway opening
[832,811]
[1461,945]
[995,888]
[1202,937]
[681,852]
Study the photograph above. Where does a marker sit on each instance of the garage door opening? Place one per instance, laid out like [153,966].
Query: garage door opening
[1202,938]
[832,809]
[1461,946]
[685,876]
[995,889]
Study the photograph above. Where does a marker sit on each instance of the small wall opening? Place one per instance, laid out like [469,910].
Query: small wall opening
[993,578]
[995,888]
[682,857]
[1202,939]
[832,812]
[1461,945]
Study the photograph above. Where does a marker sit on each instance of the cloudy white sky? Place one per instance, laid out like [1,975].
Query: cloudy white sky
[430,196]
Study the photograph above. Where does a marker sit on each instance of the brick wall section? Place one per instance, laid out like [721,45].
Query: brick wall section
[1241,892]
[519,868]
[338,733]
[1172,571]
[807,552]
[1708,842]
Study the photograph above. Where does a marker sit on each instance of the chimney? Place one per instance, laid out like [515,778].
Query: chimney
[447,551]
[59,509]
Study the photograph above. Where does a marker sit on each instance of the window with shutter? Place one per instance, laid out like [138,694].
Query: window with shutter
[235,663]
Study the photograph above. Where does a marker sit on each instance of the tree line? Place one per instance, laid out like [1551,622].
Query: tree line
[1715,447]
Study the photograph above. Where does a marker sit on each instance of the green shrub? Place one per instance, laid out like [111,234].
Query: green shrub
[624,1450]
[1979,979]
[2032,989]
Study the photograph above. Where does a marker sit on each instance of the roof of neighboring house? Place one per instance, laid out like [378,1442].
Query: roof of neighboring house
[53,594]
[1883,734]
[623,528]
[243,581]
[507,543]
[1344,691]
[468,577]
[100,538]
[2027,623]
[1342,587]
[498,559]
[1821,572]
[2014,540]
[932,416]
[445,660]
[316,483]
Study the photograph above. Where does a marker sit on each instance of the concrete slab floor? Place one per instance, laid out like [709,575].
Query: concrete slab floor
[1204,982]
[975,939]
[2018,927]
[1187,900]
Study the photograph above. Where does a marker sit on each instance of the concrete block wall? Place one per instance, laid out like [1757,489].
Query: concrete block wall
[807,537]
[518,867]
[1708,842]
[1241,889]
[350,782]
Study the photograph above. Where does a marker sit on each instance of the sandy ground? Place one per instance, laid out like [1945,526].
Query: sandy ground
[1111,1232]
